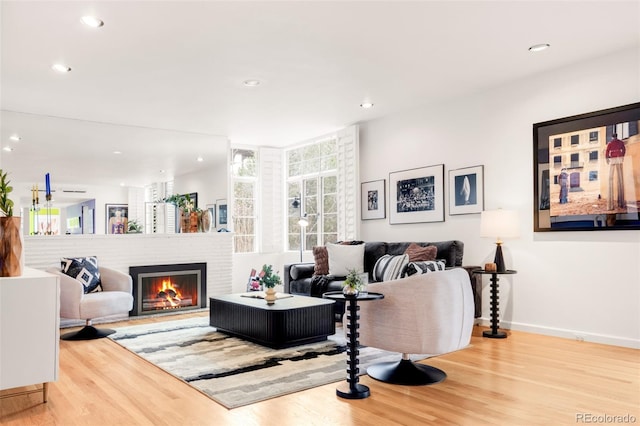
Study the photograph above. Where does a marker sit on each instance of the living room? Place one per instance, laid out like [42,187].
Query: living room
[578,285]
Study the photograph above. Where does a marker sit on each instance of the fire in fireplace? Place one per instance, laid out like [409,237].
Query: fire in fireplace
[159,288]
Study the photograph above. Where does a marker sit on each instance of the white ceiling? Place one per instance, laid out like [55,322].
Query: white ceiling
[163,81]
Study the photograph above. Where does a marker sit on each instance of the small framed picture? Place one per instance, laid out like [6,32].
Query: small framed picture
[466,190]
[221,217]
[373,200]
[116,218]
[417,195]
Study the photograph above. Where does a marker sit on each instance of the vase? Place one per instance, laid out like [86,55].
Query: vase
[185,221]
[193,222]
[270,295]
[205,221]
[10,247]
[350,291]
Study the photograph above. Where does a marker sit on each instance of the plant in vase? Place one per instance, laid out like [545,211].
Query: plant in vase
[352,284]
[10,241]
[134,227]
[269,280]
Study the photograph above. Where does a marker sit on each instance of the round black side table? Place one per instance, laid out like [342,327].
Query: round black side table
[356,390]
[494,333]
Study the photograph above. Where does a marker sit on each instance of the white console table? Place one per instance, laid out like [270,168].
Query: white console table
[29,331]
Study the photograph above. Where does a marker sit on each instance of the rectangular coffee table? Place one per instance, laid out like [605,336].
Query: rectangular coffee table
[288,322]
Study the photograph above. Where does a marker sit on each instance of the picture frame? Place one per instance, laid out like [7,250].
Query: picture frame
[576,165]
[221,214]
[417,195]
[373,198]
[116,218]
[466,190]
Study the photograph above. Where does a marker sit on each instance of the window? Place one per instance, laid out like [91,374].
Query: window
[557,160]
[244,216]
[593,175]
[593,136]
[593,156]
[557,142]
[575,139]
[312,191]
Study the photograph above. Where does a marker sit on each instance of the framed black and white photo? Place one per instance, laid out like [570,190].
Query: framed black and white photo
[221,217]
[466,190]
[417,195]
[373,200]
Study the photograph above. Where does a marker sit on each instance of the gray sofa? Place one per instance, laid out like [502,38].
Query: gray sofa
[299,278]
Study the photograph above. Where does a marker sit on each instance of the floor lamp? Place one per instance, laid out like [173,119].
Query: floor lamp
[499,224]
[303,222]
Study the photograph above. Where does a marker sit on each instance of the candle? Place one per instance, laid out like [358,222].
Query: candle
[37,195]
[47,184]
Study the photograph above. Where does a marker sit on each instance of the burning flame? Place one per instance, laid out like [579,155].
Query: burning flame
[170,292]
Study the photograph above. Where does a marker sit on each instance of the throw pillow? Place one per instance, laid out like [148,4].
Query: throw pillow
[423,267]
[83,269]
[418,253]
[390,267]
[321,258]
[343,258]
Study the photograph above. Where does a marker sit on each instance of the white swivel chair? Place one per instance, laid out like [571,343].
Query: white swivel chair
[115,299]
[431,314]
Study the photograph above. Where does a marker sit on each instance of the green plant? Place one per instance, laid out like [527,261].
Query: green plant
[183,202]
[6,204]
[134,227]
[353,280]
[268,278]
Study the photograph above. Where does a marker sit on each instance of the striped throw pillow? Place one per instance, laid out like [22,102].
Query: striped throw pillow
[390,267]
[423,267]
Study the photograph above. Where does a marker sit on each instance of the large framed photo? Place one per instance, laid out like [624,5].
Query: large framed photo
[586,171]
[417,195]
[373,200]
[116,218]
[466,190]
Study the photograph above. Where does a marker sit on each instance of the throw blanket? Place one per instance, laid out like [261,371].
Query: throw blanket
[319,284]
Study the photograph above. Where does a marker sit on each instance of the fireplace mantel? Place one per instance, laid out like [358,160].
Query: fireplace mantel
[122,251]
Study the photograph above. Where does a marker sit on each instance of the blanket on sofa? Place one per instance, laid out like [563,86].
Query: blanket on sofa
[320,284]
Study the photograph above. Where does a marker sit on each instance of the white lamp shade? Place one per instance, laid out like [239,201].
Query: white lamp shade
[499,224]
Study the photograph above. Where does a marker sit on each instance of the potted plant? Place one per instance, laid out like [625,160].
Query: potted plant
[134,227]
[352,284]
[10,241]
[269,280]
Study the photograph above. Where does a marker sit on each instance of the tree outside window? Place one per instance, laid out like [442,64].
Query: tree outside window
[244,216]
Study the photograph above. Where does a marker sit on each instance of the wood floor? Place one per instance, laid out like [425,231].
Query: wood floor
[526,379]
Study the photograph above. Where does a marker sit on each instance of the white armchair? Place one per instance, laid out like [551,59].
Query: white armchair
[430,314]
[115,299]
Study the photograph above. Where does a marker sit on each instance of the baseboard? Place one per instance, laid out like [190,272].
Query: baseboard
[578,335]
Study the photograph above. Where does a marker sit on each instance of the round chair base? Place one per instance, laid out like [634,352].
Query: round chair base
[406,372]
[88,332]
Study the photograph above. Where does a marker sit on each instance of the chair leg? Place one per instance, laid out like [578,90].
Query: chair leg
[406,372]
[88,332]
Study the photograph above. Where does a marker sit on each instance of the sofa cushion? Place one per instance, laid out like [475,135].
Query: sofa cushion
[343,258]
[83,269]
[419,253]
[301,270]
[390,267]
[414,268]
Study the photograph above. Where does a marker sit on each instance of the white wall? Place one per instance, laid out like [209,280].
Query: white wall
[568,284]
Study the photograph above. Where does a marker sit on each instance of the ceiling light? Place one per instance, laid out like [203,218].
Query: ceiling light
[162,171]
[539,47]
[366,105]
[8,148]
[252,83]
[15,138]
[200,159]
[92,21]
[61,68]
[117,152]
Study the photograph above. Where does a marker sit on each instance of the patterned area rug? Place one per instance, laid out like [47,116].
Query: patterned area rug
[235,372]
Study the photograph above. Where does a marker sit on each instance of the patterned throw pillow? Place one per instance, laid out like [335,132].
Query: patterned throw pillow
[390,267]
[321,258]
[418,253]
[83,269]
[423,267]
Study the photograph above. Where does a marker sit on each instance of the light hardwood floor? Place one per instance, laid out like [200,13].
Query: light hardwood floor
[526,379]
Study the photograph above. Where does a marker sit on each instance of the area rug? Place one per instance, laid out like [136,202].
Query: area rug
[235,372]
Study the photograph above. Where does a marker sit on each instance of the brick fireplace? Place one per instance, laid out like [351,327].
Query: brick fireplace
[173,287]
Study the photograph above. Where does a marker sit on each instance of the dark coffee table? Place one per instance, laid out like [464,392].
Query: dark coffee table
[290,321]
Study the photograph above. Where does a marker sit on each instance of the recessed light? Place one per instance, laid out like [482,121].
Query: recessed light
[200,159]
[8,148]
[366,105]
[92,21]
[61,68]
[539,47]
[252,83]
[15,138]
[117,152]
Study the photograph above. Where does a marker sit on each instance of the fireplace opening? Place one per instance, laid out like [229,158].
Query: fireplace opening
[164,288]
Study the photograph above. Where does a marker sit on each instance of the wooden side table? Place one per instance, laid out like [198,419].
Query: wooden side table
[356,390]
[494,333]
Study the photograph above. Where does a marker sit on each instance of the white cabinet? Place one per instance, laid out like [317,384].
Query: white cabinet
[29,330]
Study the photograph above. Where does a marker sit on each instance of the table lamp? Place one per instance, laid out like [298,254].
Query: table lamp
[499,224]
